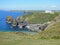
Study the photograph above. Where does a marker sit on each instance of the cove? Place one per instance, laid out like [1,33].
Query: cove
[4,26]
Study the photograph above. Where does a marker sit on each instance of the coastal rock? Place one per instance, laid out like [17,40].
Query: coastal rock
[19,19]
[36,27]
[9,19]
[14,23]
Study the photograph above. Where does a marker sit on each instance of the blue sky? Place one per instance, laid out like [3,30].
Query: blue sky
[29,4]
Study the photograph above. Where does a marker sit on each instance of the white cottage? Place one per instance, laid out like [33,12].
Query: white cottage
[48,11]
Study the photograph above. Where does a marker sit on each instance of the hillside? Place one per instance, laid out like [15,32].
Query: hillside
[53,32]
[51,36]
[40,17]
[48,37]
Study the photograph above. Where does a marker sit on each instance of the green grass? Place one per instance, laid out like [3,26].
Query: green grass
[52,33]
[39,17]
[49,37]
[11,38]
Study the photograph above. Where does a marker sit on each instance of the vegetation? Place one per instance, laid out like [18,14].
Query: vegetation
[40,17]
[53,32]
[50,36]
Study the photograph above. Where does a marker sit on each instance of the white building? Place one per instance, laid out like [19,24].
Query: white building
[48,11]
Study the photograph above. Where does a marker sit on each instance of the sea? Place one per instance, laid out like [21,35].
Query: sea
[4,27]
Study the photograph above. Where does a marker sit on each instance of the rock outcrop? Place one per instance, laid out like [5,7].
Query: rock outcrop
[9,19]
[14,22]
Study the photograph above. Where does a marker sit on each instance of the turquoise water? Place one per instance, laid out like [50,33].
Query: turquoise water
[3,25]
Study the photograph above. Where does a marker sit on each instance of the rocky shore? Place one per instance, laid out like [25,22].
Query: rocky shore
[21,23]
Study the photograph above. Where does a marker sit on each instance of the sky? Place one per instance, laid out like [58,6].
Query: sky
[29,4]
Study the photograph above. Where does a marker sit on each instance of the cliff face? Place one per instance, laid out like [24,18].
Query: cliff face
[34,18]
[15,22]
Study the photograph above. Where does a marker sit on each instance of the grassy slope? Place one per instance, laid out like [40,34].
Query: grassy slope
[48,37]
[9,38]
[38,17]
[53,32]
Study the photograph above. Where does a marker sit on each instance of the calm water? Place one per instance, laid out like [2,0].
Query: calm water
[3,25]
